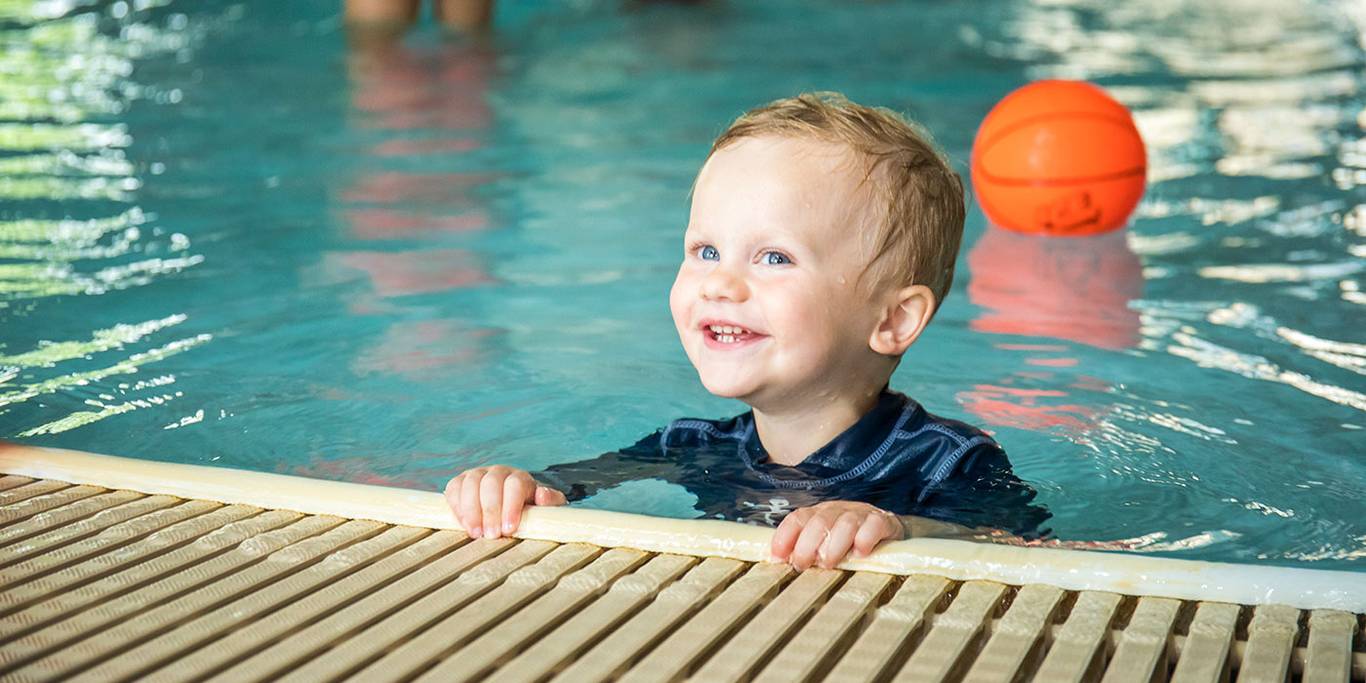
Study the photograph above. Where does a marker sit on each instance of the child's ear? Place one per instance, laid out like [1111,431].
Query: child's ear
[904,317]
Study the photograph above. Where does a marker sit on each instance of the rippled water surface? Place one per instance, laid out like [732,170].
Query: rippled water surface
[227,237]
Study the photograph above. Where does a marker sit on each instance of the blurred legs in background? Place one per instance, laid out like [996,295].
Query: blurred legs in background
[370,19]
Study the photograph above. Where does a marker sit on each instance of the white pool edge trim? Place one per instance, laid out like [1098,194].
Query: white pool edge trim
[960,560]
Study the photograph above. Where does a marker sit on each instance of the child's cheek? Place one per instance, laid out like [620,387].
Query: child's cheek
[680,306]
[677,305]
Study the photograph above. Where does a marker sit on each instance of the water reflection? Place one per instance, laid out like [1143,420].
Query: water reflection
[70,223]
[425,101]
[404,237]
[1076,289]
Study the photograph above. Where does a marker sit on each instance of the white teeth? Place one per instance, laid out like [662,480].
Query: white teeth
[726,329]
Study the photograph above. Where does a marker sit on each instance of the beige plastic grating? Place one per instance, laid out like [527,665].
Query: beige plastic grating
[116,585]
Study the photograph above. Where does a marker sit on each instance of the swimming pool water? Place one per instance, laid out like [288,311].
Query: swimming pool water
[227,237]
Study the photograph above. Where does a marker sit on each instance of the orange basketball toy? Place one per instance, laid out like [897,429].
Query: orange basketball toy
[1058,158]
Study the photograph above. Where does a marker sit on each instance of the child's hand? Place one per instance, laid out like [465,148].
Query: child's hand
[488,501]
[824,533]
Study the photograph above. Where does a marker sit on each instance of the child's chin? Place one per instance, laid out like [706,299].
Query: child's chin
[726,389]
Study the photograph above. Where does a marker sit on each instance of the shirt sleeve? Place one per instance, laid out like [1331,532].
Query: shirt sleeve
[981,490]
[584,478]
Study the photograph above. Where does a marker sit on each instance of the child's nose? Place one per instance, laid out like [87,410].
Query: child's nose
[723,285]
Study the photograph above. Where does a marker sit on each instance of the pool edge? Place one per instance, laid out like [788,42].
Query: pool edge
[1127,574]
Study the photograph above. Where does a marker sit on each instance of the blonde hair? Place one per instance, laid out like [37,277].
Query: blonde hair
[920,197]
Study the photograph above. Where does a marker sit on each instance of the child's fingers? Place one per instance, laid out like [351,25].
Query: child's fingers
[874,529]
[518,489]
[452,494]
[470,515]
[786,535]
[548,496]
[491,503]
[837,544]
[813,535]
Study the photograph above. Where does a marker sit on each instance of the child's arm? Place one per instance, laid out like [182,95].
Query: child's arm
[983,493]
[488,501]
[584,478]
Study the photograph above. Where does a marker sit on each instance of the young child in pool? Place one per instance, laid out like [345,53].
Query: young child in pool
[821,240]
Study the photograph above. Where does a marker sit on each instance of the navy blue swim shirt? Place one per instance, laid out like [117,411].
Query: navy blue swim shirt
[898,457]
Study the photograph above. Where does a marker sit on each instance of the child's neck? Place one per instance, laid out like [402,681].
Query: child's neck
[792,434]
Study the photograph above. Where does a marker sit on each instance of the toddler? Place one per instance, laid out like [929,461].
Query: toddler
[821,241]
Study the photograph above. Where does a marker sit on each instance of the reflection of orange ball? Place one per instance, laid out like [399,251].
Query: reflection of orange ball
[1078,289]
[1058,158]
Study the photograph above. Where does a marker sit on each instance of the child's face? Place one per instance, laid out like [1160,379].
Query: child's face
[775,246]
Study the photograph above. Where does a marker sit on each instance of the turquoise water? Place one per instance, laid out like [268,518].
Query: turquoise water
[227,238]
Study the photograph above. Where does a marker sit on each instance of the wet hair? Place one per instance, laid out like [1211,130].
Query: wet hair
[918,196]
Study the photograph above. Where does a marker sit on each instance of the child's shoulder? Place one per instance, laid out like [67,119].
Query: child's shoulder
[958,434]
[939,448]
[921,424]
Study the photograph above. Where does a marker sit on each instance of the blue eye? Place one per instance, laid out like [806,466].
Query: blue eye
[708,253]
[774,258]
